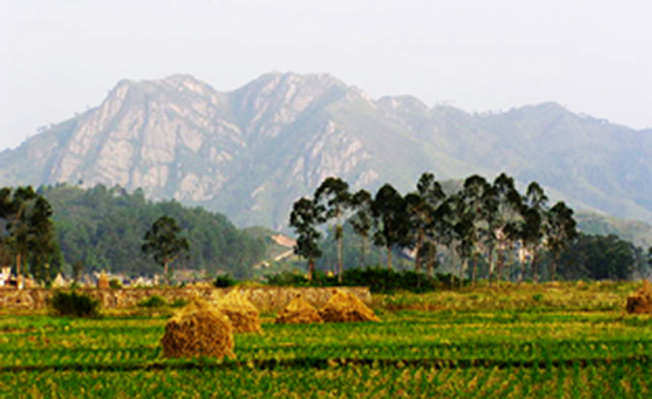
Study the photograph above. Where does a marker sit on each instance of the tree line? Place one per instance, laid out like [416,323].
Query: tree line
[66,228]
[483,222]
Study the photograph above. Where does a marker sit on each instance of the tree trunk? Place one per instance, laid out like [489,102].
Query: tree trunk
[340,260]
[535,271]
[389,258]
[500,262]
[553,266]
[491,264]
[463,267]
[165,273]
[475,268]
[417,257]
[431,263]
[523,269]
[18,271]
[311,269]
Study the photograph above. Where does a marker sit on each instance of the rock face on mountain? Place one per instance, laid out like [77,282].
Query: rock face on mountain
[251,152]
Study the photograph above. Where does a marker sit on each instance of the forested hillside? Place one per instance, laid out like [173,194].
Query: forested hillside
[103,229]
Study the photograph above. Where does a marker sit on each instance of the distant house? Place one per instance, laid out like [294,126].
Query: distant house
[5,276]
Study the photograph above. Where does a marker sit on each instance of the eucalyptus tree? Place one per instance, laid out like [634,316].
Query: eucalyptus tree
[533,209]
[304,218]
[163,243]
[462,231]
[426,219]
[332,200]
[362,219]
[391,220]
[475,195]
[561,229]
[504,224]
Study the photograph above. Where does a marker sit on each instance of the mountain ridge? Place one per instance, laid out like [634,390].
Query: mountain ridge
[249,153]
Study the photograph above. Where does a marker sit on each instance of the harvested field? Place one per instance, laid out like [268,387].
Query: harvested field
[298,311]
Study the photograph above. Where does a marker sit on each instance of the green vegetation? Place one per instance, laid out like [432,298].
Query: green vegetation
[27,233]
[481,230]
[74,304]
[153,301]
[528,340]
[162,242]
[104,229]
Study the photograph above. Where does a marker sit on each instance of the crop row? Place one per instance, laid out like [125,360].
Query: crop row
[604,380]
[554,352]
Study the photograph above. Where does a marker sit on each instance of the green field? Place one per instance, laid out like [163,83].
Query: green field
[496,350]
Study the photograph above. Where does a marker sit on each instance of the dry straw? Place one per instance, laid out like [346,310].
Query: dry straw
[198,330]
[298,311]
[103,281]
[346,307]
[641,300]
[244,316]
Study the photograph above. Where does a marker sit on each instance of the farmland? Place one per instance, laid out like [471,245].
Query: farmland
[528,341]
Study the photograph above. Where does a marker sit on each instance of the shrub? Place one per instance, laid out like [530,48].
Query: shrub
[73,304]
[153,301]
[115,284]
[224,281]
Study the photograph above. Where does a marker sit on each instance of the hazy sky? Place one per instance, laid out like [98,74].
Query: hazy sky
[58,57]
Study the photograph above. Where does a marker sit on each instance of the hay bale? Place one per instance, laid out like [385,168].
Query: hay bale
[346,307]
[198,330]
[298,311]
[103,281]
[243,315]
[641,300]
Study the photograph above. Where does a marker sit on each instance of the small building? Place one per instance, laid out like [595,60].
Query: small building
[5,276]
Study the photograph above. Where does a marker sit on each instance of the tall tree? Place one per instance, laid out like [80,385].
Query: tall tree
[162,241]
[45,257]
[462,231]
[475,194]
[304,218]
[533,208]
[362,220]
[561,229]
[332,198]
[28,230]
[503,225]
[391,219]
[423,208]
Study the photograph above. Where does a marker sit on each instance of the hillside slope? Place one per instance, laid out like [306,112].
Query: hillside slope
[251,152]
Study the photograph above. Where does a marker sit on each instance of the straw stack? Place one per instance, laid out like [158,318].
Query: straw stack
[198,330]
[243,315]
[298,311]
[641,300]
[103,281]
[346,307]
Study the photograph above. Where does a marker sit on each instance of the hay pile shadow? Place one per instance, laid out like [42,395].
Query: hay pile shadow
[298,311]
[346,307]
[641,300]
[244,316]
[198,330]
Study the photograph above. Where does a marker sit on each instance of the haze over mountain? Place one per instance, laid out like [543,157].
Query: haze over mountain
[251,152]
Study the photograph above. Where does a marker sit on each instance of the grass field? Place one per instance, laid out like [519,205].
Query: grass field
[539,343]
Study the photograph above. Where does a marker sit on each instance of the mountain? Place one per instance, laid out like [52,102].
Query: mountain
[251,152]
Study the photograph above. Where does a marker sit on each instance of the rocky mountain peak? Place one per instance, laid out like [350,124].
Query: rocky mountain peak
[251,152]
